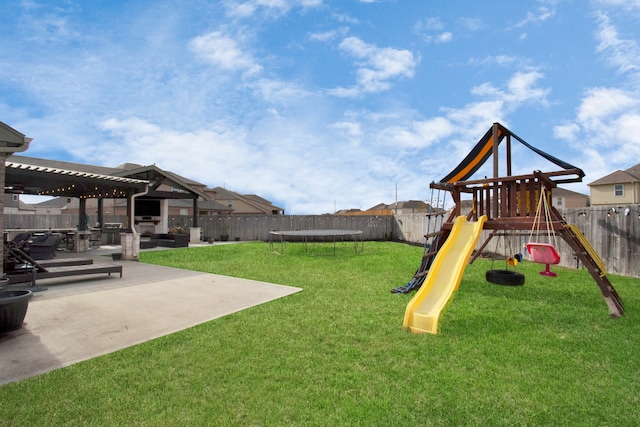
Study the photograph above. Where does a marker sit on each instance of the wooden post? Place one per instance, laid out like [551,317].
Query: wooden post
[3,157]
[195,212]
[82,212]
[496,170]
[100,211]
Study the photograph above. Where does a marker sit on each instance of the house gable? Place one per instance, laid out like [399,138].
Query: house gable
[617,188]
[563,198]
[243,204]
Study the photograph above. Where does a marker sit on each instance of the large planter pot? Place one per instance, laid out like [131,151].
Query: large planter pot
[13,309]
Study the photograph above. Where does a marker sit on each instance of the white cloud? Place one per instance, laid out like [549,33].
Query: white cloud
[329,35]
[521,88]
[377,66]
[352,130]
[506,61]
[444,37]
[224,51]
[221,144]
[625,4]
[49,25]
[622,54]
[429,24]
[437,143]
[245,9]
[278,92]
[472,24]
[417,134]
[601,104]
[606,128]
[427,27]
[568,131]
[541,14]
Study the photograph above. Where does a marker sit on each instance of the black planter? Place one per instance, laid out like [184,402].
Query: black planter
[13,309]
[224,237]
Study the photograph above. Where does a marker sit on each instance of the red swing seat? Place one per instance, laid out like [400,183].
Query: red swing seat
[544,253]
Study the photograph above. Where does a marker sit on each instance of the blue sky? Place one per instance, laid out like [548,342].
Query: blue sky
[320,105]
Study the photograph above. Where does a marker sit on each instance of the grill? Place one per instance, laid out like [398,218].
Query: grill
[111,233]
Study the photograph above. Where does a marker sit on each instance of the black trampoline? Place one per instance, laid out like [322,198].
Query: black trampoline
[322,236]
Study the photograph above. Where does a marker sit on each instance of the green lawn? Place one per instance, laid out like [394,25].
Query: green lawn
[336,353]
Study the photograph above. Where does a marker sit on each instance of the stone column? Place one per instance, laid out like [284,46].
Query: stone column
[130,246]
[194,234]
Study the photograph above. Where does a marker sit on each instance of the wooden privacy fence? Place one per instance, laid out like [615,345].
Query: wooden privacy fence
[613,235]
[231,227]
[257,227]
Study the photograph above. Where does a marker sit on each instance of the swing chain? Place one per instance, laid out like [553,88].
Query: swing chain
[543,203]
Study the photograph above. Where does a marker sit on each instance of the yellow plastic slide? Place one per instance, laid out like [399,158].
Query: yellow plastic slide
[444,276]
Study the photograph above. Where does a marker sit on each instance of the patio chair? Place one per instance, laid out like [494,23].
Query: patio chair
[45,249]
[21,239]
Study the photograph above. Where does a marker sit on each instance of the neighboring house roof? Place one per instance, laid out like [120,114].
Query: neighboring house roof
[378,207]
[223,194]
[253,200]
[634,170]
[620,176]
[128,166]
[257,198]
[559,191]
[347,211]
[56,203]
[206,204]
[25,206]
[408,204]
[413,204]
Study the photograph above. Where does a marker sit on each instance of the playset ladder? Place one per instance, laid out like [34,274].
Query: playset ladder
[592,262]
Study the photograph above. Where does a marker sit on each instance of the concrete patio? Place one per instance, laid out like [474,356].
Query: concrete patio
[82,317]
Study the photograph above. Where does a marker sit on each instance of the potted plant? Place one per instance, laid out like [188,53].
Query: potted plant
[180,236]
[177,229]
[13,309]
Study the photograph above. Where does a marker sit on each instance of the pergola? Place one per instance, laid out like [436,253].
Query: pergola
[26,178]
[26,175]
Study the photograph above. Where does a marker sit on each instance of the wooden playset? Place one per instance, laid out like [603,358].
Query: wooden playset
[515,203]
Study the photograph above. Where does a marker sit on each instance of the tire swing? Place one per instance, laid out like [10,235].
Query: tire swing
[543,253]
[506,277]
